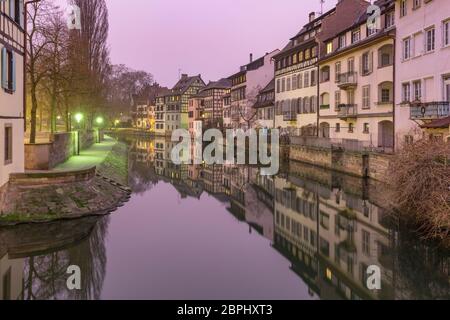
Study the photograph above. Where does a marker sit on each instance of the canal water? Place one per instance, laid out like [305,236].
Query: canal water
[225,232]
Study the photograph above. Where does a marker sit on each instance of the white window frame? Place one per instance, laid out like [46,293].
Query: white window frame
[430,46]
[406,94]
[403,8]
[446,33]
[406,50]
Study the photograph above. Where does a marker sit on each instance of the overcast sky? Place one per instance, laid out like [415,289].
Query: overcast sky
[211,37]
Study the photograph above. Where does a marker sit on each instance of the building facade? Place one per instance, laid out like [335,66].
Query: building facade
[422,68]
[265,107]
[245,86]
[12,111]
[356,95]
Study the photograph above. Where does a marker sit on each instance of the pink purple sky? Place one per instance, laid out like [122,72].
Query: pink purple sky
[211,37]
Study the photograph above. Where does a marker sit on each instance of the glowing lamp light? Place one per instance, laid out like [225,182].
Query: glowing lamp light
[99,120]
[79,117]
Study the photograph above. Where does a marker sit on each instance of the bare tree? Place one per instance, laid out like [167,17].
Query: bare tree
[246,112]
[37,43]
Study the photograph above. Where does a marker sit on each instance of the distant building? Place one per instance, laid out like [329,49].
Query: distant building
[176,103]
[144,108]
[245,86]
[265,107]
[12,99]
[422,83]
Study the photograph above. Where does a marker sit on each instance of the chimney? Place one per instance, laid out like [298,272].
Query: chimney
[251,57]
[184,76]
[312,16]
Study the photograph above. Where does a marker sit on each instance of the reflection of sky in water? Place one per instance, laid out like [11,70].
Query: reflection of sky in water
[191,249]
[224,234]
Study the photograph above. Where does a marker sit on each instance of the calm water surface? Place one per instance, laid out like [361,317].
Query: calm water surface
[215,232]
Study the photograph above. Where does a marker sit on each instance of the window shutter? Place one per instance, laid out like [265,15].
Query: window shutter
[4,69]
[371,62]
[13,62]
[21,4]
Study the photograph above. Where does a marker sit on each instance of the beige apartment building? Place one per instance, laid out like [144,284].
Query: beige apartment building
[356,91]
[12,99]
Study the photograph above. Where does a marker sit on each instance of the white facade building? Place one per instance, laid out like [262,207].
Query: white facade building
[12,89]
[422,65]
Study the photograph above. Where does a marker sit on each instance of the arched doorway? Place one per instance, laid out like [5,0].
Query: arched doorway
[386,134]
[324,130]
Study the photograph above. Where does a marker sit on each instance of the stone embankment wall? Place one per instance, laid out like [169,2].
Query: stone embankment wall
[43,197]
[361,164]
[46,155]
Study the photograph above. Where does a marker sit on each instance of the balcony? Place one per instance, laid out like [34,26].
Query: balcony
[430,110]
[290,116]
[348,80]
[346,111]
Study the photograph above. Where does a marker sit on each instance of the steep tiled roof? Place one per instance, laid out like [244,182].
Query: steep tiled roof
[185,82]
[223,83]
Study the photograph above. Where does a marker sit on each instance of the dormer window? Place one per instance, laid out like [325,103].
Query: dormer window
[356,36]
[329,47]
[341,41]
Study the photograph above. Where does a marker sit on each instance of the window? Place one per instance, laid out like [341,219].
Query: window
[313,78]
[406,48]
[294,59]
[338,127]
[329,47]
[366,242]
[446,30]
[350,127]
[314,51]
[417,85]
[288,84]
[306,79]
[337,71]
[278,85]
[300,56]
[307,54]
[6,280]
[385,95]
[406,92]
[341,42]
[417,4]
[351,65]
[325,74]
[16,11]
[366,97]
[300,80]
[294,82]
[389,20]
[366,63]
[283,85]
[337,99]
[8,144]
[430,39]
[8,69]
[366,128]
[403,8]
[356,36]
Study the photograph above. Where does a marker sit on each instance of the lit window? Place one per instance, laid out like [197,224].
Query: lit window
[329,47]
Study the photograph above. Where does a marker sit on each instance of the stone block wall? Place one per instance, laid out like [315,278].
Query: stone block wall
[45,156]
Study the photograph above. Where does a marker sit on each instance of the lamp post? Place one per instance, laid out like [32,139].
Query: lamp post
[78,118]
[25,22]
[99,121]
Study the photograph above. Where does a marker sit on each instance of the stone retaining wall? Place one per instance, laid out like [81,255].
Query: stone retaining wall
[50,178]
[361,164]
[45,156]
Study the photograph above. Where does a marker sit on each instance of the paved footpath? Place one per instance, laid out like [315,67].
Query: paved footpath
[93,156]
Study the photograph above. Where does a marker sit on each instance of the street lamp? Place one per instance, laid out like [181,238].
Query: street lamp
[99,121]
[78,118]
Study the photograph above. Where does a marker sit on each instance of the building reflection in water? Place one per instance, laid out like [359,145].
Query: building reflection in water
[34,259]
[330,227]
